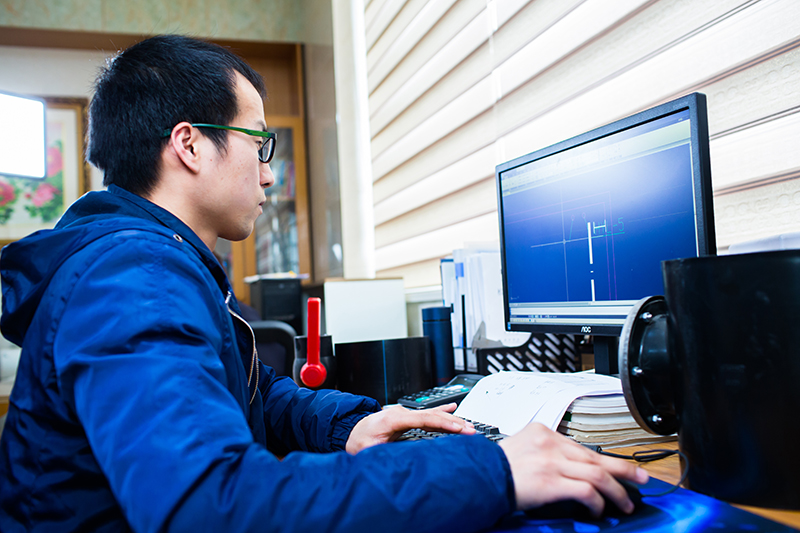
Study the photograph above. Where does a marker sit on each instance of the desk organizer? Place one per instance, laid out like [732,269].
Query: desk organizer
[543,352]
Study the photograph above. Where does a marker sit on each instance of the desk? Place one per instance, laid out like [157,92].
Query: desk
[669,470]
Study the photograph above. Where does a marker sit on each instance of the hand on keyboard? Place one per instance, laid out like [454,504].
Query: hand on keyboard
[490,432]
[390,424]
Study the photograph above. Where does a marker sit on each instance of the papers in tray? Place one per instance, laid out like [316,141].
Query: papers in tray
[510,400]
[587,407]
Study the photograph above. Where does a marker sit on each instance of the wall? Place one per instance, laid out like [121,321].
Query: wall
[459,86]
[323,163]
[51,72]
[259,20]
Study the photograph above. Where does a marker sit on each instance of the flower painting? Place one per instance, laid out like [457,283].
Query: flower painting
[27,204]
[8,197]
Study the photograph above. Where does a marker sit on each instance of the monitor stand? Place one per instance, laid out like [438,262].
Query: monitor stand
[605,355]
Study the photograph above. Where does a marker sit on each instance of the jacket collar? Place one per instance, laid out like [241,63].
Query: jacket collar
[162,216]
[144,208]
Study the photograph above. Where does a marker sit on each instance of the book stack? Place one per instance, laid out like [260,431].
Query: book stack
[605,421]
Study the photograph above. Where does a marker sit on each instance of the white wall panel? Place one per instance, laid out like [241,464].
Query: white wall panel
[461,110]
[758,212]
[756,153]
[411,25]
[516,75]
[455,51]
[505,9]
[468,202]
[608,56]
[465,172]
[439,36]
[371,10]
[438,243]
[514,34]
[422,274]
[664,75]
[576,28]
[383,17]
[474,136]
[763,91]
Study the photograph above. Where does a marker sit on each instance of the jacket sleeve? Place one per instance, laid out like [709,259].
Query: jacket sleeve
[301,419]
[136,347]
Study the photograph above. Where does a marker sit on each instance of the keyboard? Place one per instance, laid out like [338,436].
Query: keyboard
[490,432]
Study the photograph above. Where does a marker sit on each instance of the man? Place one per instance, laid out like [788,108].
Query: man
[140,403]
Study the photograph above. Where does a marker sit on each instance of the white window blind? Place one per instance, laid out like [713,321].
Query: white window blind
[459,86]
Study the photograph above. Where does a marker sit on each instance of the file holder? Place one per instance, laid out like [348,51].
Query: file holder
[543,352]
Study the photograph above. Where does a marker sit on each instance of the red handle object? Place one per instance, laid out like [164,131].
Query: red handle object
[313,373]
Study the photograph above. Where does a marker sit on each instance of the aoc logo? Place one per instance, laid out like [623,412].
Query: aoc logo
[586,329]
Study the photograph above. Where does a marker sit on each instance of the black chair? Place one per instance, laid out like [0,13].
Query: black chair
[275,345]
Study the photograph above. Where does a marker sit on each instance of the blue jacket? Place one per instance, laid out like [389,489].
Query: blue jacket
[139,405]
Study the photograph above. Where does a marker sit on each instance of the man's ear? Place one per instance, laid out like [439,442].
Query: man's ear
[184,142]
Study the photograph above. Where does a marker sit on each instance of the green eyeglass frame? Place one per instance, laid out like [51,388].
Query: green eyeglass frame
[265,151]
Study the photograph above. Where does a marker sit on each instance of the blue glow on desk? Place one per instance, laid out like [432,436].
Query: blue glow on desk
[682,511]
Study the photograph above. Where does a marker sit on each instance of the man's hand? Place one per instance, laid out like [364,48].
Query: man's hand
[389,424]
[548,467]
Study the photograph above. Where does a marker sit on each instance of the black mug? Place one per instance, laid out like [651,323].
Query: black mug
[718,360]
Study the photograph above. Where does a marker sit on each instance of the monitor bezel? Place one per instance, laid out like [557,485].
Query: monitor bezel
[695,103]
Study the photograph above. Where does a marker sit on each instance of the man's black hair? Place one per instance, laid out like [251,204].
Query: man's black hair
[151,87]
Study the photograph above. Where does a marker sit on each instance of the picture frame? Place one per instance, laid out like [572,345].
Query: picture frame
[28,205]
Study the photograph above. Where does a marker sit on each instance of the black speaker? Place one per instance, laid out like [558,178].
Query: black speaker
[279,299]
[385,369]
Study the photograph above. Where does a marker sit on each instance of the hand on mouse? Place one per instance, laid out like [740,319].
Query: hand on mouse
[548,467]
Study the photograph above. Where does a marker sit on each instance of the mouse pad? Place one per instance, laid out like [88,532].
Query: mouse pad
[682,510]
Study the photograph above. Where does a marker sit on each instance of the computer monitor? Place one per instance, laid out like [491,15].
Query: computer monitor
[586,223]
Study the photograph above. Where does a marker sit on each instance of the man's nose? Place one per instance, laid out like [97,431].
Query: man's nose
[267,177]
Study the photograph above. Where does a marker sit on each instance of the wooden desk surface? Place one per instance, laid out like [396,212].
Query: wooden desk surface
[669,470]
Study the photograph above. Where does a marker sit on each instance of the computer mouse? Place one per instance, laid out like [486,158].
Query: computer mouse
[575,510]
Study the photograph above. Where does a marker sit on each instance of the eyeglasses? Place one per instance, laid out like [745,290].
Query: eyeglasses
[265,151]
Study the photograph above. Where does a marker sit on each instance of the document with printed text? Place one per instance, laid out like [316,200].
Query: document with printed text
[510,400]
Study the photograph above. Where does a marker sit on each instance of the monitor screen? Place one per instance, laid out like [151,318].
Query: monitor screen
[586,223]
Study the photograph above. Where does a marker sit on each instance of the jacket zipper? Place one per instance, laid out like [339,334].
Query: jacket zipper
[254,360]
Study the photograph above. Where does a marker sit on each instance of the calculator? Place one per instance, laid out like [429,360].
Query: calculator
[455,391]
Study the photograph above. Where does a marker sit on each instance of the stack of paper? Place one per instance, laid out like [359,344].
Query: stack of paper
[605,421]
[585,406]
